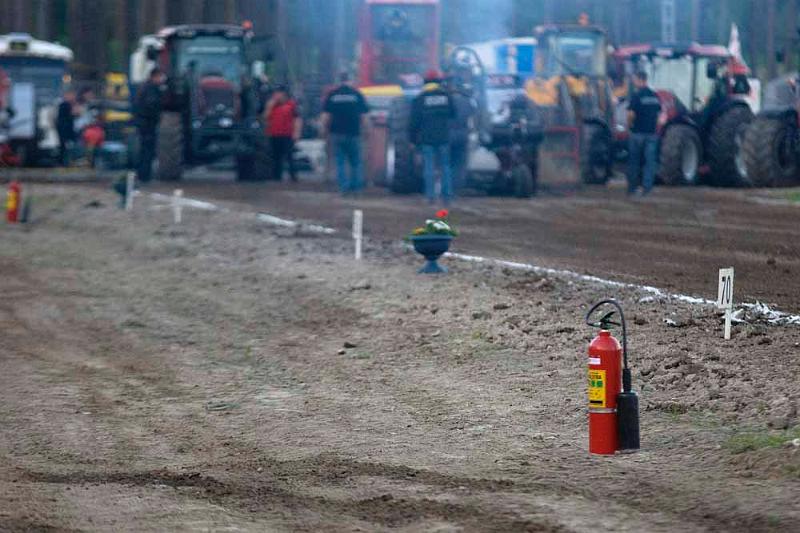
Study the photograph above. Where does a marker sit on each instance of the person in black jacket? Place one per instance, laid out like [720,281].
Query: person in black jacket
[147,113]
[432,113]
[643,112]
[65,126]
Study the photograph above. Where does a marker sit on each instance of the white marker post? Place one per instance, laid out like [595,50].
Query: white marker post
[725,297]
[358,231]
[130,181]
[177,205]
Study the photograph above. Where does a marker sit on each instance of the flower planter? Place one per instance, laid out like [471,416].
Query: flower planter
[432,247]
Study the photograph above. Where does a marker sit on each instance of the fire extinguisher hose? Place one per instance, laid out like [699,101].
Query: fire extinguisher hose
[604,323]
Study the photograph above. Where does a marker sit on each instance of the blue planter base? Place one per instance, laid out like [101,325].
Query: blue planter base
[432,247]
[432,267]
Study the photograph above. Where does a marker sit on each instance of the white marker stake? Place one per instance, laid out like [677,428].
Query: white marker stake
[177,205]
[130,181]
[358,231]
[725,297]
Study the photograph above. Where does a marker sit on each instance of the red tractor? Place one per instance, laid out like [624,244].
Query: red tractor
[211,105]
[399,40]
[704,112]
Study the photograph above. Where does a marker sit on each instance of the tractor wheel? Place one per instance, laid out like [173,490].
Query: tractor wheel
[724,147]
[405,178]
[255,166]
[402,174]
[170,147]
[769,150]
[595,155]
[680,155]
[522,181]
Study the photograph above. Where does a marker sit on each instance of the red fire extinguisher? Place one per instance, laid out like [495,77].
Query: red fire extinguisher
[613,406]
[13,202]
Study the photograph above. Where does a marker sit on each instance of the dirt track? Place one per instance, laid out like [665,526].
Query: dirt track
[194,377]
[676,240]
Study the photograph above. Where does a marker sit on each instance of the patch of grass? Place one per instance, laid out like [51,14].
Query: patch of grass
[792,196]
[748,441]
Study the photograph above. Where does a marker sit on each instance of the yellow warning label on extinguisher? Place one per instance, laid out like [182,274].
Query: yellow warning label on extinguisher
[597,388]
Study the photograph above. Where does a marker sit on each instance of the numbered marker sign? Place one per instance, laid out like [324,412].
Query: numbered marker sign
[725,295]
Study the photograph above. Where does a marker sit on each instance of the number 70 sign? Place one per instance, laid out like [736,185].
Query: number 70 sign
[725,297]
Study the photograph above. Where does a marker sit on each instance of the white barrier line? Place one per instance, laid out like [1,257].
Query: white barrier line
[773,316]
[277,221]
[185,202]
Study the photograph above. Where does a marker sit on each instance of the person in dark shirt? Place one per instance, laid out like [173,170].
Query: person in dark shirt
[432,113]
[643,113]
[65,126]
[147,114]
[344,115]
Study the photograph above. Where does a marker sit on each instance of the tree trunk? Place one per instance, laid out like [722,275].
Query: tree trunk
[772,69]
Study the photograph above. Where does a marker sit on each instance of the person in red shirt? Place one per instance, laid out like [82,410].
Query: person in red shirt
[283,129]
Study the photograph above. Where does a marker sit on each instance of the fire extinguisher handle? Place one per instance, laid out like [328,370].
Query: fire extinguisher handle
[603,323]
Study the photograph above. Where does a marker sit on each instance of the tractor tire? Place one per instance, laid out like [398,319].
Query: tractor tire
[769,154]
[406,178]
[522,181]
[170,147]
[255,166]
[681,150]
[724,147]
[596,150]
[402,174]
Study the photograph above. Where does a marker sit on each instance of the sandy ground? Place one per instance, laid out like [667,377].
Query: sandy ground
[228,375]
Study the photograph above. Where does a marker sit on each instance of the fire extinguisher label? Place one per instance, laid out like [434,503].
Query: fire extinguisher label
[597,388]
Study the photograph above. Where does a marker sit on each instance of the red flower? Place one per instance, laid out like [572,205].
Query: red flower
[442,213]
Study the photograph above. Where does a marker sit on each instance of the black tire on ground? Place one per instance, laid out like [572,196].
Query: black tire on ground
[170,147]
[522,181]
[402,174]
[255,166]
[680,155]
[596,151]
[769,154]
[724,147]
[406,178]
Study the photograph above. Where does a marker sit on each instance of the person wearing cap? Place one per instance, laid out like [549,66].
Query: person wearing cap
[147,114]
[432,113]
[344,115]
[283,129]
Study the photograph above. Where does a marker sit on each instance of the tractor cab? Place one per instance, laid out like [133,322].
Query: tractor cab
[399,41]
[571,50]
[695,76]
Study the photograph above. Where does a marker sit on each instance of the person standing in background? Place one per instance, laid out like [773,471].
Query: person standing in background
[432,113]
[283,129]
[147,114]
[643,113]
[344,115]
[65,126]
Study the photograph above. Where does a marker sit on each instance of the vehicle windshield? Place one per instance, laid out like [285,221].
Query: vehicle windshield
[402,39]
[211,56]
[46,75]
[683,76]
[576,53]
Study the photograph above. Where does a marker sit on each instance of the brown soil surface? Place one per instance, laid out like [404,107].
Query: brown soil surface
[157,377]
[676,240]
